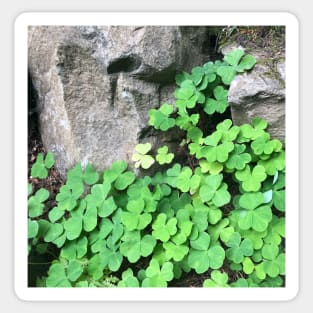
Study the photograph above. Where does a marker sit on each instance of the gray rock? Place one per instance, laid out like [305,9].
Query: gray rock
[96,84]
[260,93]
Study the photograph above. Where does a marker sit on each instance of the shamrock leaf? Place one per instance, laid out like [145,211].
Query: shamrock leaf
[201,256]
[236,63]
[163,157]
[274,164]
[74,270]
[252,214]
[117,168]
[213,189]
[134,246]
[35,202]
[160,119]
[68,196]
[54,231]
[156,275]
[276,230]
[73,227]
[186,121]
[141,157]
[238,159]
[251,180]
[252,132]
[187,96]
[263,145]
[219,104]
[42,165]
[76,176]
[74,249]
[213,168]
[217,279]
[214,150]
[221,230]
[175,251]
[275,267]
[238,249]
[57,276]
[128,279]
[183,179]
[163,229]
[124,180]
[135,218]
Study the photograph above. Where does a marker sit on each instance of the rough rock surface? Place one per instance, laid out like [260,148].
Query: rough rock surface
[260,92]
[95,85]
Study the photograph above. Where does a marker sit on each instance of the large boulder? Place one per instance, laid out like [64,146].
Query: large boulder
[95,85]
[260,92]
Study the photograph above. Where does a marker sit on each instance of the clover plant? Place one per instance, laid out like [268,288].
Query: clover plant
[220,211]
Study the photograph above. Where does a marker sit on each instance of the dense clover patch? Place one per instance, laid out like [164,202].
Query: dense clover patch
[115,229]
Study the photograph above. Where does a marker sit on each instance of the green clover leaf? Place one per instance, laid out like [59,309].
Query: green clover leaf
[236,63]
[76,176]
[251,179]
[36,202]
[214,190]
[74,249]
[163,229]
[217,279]
[32,228]
[134,246]
[160,119]
[274,164]
[74,270]
[251,214]
[141,157]
[238,159]
[219,104]
[124,180]
[163,157]
[263,145]
[201,256]
[238,249]
[156,276]
[135,218]
[42,165]
[117,168]
[57,276]
[275,267]
[213,168]
[68,196]
[128,279]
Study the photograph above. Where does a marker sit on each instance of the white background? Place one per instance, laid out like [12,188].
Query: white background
[9,302]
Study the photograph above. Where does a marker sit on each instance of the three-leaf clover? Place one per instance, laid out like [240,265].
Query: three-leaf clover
[163,157]
[213,189]
[164,228]
[217,279]
[235,63]
[134,217]
[238,248]
[36,202]
[160,119]
[251,179]
[141,157]
[156,275]
[202,256]
[134,246]
[238,158]
[128,279]
[219,104]
[252,214]
[42,165]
